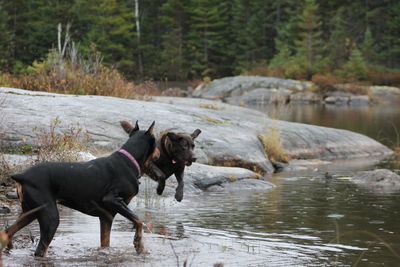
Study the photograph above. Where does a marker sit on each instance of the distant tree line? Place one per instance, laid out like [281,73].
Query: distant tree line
[191,39]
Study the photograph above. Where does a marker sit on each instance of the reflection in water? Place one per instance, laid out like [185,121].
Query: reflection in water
[381,123]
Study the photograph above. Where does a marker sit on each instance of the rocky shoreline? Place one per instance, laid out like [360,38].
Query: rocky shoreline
[251,90]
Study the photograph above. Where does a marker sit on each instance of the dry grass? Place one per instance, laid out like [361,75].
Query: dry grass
[56,146]
[108,82]
[216,121]
[71,73]
[380,77]
[5,169]
[273,147]
[211,106]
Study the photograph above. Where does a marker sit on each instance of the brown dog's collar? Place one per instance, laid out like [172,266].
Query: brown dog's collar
[131,158]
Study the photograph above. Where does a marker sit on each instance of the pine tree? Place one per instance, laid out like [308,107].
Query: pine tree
[367,47]
[107,26]
[5,41]
[339,40]
[172,56]
[309,44]
[355,68]
[209,38]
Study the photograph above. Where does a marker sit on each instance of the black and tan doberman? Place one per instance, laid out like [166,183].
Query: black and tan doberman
[102,187]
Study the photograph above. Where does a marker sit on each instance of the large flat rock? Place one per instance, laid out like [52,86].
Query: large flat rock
[229,133]
[240,88]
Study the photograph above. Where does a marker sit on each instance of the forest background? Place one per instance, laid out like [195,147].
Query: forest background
[180,40]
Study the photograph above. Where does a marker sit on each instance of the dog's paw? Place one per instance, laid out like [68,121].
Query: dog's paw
[179,195]
[160,188]
[139,246]
[5,241]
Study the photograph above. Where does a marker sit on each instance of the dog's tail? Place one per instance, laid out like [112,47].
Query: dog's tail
[18,177]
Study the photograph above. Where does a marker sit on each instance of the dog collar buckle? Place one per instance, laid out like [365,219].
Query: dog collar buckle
[131,158]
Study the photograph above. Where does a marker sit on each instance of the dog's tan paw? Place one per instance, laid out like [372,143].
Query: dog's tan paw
[4,240]
[139,246]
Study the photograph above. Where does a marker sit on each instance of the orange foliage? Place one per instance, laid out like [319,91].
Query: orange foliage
[384,78]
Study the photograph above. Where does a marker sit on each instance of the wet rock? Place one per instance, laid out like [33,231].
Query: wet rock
[229,133]
[305,97]
[202,177]
[359,100]
[260,96]
[305,165]
[385,94]
[241,185]
[338,100]
[12,195]
[4,210]
[381,181]
[240,85]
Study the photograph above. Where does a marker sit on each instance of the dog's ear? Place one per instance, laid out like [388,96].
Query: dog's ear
[128,128]
[151,128]
[172,136]
[195,133]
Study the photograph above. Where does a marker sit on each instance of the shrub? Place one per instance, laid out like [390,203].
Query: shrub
[355,68]
[273,147]
[325,83]
[77,75]
[55,146]
[383,76]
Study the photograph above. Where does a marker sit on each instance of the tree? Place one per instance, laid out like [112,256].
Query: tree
[209,38]
[354,68]
[5,41]
[368,47]
[309,43]
[338,45]
[108,26]
[173,59]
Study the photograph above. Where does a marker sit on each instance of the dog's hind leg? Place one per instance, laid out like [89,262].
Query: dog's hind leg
[49,220]
[23,220]
[105,230]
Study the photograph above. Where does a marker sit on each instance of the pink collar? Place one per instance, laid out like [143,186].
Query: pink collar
[131,158]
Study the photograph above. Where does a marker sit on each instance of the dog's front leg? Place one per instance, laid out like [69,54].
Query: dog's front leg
[179,188]
[105,230]
[160,176]
[114,202]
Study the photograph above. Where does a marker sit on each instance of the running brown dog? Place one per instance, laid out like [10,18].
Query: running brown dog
[176,152]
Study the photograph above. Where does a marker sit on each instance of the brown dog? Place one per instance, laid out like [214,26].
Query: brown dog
[176,152]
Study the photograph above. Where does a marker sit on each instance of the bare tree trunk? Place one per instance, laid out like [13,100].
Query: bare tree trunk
[137,18]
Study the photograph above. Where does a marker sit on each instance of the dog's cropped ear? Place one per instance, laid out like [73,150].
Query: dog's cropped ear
[128,128]
[151,128]
[195,133]
[172,136]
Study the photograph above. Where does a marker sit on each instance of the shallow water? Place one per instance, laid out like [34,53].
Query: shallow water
[307,220]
